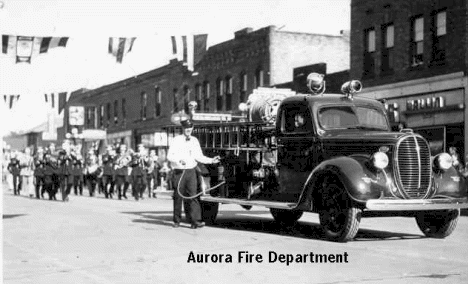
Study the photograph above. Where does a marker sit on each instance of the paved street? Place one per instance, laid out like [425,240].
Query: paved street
[95,240]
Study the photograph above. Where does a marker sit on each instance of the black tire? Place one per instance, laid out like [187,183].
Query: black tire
[209,211]
[286,217]
[438,224]
[338,217]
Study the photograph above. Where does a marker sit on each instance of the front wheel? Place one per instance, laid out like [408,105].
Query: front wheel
[209,211]
[438,224]
[286,217]
[338,217]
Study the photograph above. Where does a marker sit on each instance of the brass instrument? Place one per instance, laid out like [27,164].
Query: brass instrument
[123,161]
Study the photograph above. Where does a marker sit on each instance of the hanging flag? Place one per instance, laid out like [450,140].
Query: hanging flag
[189,49]
[119,46]
[62,101]
[13,100]
[23,48]
[50,98]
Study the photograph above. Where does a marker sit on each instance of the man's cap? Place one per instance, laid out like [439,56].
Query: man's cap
[187,123]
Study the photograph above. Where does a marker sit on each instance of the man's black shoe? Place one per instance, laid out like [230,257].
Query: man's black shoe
[176,225]
[197,225]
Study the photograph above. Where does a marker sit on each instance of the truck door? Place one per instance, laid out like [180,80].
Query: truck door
[297,149]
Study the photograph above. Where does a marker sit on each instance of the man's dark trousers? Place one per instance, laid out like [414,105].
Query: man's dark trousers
[188,187]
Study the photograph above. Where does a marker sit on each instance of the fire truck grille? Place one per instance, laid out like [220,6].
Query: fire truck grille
[413,167]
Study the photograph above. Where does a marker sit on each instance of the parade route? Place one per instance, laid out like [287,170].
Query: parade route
[96,240]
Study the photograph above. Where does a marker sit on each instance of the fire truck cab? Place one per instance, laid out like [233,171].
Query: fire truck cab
[331,154]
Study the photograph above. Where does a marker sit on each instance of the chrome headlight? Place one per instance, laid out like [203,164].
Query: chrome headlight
[443,161]
[380,160]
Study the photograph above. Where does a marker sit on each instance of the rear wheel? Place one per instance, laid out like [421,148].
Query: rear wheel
[209,211]
[438,224]
[286,217]
[338,217]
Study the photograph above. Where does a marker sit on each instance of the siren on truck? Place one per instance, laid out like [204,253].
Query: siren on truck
[316,83]
[351,87]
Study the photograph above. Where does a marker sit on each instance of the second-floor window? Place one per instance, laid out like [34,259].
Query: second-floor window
[369,52]
[108,111]
[116,112]
[206,96]
[144,102]
[124,110]
[198,95]
[440,32]
[157,101]
[243,87]
[387,50]
[219,94]
[228,90]
[259,78]
[417,41]
[101,116]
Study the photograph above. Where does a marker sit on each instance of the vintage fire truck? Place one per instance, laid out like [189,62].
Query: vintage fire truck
[331,154]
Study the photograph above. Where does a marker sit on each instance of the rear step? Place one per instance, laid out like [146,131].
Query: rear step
[263,203]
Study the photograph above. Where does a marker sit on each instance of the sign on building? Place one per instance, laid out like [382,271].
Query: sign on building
[76,115]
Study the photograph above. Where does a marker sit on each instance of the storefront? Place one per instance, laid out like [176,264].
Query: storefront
[124,137]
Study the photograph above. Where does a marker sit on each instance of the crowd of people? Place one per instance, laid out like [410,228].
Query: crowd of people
[112,174]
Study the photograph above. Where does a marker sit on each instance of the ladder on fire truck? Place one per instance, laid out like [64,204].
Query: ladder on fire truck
[231,136]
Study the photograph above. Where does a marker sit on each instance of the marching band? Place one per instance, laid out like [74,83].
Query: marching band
[113,172]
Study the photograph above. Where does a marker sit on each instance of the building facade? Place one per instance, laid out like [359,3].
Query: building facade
[134,110]
[412,55]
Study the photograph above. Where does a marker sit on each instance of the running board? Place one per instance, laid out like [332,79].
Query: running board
[263,203]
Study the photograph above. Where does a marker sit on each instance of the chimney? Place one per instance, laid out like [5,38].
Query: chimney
[243,32]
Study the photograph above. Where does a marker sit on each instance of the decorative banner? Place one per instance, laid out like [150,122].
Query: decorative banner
[23,48]
[10,100]
[118,47]
[190,50]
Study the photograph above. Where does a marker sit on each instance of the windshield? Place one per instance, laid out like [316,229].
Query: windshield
[352,117]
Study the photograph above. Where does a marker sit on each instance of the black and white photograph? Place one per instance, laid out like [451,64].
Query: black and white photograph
[234,141]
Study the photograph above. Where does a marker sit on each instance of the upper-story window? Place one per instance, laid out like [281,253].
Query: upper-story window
[219,94]
[369,52]
[108,110]
[228,90]
[206,96]
[116,112]
[157,101]
[101,116]
[387,50]
[144,103]
[198,94]
[175,105]
[91,117]
[243,87]
[259,78]
[124,110]
[417,41]
[440,34]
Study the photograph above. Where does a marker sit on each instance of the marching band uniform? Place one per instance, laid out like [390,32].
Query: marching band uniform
[92,172]
[107,175]
[78,176]
[39,174]
[184,153]
[152,174]
[122,175]
[66,173]
[14,168]
[50,173]
[139,164]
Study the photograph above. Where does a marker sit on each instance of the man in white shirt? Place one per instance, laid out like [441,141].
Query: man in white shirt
[184,154]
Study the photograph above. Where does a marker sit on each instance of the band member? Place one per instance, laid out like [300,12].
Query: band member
[122,173]
[139,165]
[184,153]
[92,171]
[39,172]
[108,172]
[78,176]
[27,171]
[53,153]
[14,168]
[65,161]
[50,172]
[152,173]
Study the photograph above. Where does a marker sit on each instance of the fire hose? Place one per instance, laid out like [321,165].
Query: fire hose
[198,194]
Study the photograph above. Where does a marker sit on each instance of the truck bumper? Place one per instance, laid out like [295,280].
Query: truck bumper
[416,204]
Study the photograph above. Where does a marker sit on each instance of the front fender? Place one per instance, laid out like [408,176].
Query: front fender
[357,178]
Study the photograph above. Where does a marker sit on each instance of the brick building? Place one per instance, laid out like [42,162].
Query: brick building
[134,110]
[413,55]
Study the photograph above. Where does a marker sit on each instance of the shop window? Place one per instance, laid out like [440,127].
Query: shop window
[417,41]
[387,47]
[439,36]
[369,53]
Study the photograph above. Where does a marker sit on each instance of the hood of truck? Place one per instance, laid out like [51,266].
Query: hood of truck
[362,136]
